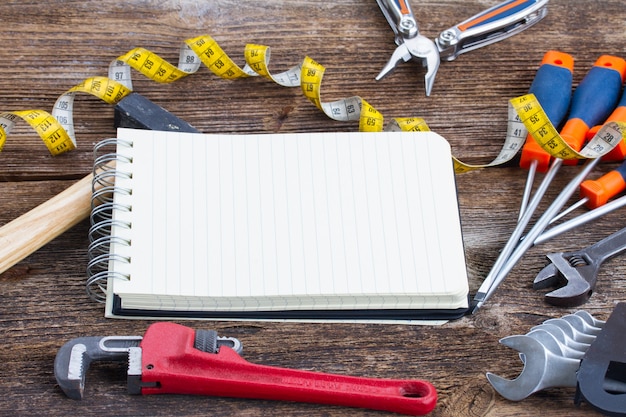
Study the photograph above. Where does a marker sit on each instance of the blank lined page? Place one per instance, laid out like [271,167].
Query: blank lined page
[321,220]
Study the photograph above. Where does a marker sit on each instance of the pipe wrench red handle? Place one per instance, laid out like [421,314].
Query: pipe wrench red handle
[171,364]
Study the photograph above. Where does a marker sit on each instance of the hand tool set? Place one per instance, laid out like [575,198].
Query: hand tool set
[593,102]
[595,194]
[576,350]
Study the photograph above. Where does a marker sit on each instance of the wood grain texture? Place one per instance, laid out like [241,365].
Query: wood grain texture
[48,47]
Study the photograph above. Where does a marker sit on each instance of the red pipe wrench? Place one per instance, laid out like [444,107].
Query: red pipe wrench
[174,359]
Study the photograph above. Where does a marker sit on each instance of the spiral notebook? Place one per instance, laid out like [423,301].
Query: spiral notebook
[316,226]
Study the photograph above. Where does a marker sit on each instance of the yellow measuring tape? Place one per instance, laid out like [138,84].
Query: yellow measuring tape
[546,135]
[57,129]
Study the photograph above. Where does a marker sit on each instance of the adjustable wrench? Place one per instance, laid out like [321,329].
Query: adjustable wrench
[174,359]
[577,272]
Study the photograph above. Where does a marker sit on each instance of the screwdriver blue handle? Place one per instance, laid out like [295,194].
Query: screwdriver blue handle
[619,115]
[552,85]
[594,99]
[598,93]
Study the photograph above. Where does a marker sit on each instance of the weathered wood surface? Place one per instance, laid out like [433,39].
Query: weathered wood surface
[50,46]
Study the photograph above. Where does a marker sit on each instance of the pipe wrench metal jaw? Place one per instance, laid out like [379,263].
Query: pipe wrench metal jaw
[74,358]
[492,25]
[174,359]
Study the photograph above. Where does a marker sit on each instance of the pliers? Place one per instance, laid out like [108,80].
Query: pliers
[489,26]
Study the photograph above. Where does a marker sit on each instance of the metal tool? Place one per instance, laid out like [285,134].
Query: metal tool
[589,319]
[569,347]
[594,99]
[552,87]
[174,359]
[596,193]
[576,272]
[580,220]
[601,378]
[550,363]
[74,358]
[542,369]
[487,27]
[572,332]
[514,249]
[32,230]
[137,112]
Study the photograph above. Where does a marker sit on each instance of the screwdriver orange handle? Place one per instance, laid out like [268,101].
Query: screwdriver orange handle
[598,192]
[594,100]
[552,87]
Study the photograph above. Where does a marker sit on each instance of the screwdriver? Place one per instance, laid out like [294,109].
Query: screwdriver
[619,115]
[614,183]
[580,220]
[552,87]
[594,99]
[596,193]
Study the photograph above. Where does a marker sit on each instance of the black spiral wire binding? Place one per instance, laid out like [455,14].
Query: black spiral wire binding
[103,205]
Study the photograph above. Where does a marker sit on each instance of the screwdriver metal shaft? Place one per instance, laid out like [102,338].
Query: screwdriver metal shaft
[580,220]
[592,102]
[490,282]
[552,87]
[535,231]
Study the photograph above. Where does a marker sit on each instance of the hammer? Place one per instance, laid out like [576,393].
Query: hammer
[32,230]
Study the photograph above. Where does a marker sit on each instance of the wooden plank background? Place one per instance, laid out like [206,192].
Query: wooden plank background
[48,47]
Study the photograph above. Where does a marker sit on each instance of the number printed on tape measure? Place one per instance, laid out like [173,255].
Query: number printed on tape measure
[546,135]
[57,129]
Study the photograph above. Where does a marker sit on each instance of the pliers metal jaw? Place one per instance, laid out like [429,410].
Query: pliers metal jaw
[411,45]
[492,25]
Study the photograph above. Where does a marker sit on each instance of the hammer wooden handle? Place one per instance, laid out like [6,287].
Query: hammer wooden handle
[34,229]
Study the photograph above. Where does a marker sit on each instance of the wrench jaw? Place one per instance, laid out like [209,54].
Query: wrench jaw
[74,358]
[576,293]
[530,380]
[548,277]
[572,275]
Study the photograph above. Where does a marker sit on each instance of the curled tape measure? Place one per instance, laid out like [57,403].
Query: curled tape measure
[57,129]
[545,134]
